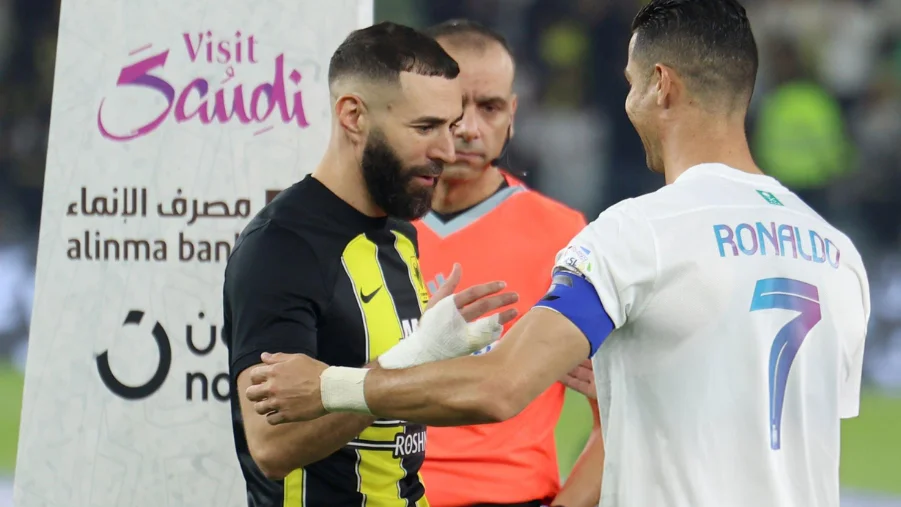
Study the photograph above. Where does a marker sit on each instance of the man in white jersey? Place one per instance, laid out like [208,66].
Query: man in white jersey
[728,319]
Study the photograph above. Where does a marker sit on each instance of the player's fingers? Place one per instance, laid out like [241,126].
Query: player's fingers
[260,374]
[448,287]
[476,292]
[450,284]
[275,418]
[506,316]
[582,387]
[488,304]
[582,373]
[265,406]
[258,392]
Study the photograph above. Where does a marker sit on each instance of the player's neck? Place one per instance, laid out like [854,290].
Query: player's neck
[452,196]
[339,171]
[707,140]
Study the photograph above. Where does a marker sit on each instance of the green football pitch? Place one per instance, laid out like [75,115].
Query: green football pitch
[871,443]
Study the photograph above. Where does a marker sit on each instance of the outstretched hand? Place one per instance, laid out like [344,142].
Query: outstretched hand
[479,300]
[287,387]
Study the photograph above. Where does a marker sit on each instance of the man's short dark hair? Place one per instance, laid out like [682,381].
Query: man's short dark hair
[381,52]
[468,33]
[708,42]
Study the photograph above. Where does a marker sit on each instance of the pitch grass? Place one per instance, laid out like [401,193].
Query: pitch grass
[871,443]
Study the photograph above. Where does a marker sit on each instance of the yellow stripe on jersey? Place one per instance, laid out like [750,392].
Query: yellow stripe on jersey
[408,253]
[379,471]
[294,488]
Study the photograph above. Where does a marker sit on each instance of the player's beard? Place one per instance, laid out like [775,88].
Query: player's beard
[391,185]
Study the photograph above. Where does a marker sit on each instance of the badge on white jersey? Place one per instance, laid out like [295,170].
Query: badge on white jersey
[578,258]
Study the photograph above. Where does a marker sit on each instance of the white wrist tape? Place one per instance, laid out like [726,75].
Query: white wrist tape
[343,389]
[443,333]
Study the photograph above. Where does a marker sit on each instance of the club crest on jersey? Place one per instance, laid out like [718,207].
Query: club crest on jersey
[576,258]
[418,281]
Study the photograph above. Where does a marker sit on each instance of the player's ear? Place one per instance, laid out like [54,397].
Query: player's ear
[665,87]
[350,110]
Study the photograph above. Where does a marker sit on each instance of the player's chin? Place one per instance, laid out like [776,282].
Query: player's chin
[416,207]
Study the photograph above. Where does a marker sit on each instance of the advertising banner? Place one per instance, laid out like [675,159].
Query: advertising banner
[172,124]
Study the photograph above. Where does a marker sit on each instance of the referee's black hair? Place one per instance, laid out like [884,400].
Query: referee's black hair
[468,32]
[708,42]
[382,51]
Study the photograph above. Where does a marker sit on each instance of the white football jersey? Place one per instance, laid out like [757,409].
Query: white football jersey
[740,321]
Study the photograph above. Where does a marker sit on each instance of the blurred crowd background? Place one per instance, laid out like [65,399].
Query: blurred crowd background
[825,120]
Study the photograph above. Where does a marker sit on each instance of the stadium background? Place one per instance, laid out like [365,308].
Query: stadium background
[826,120]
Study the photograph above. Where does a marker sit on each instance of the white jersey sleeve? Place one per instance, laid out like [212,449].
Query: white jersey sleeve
[617,254]
[852,364]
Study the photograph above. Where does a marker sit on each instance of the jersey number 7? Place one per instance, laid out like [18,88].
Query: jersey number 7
[785,294]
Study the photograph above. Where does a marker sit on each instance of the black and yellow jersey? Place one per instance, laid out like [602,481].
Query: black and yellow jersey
[310,274]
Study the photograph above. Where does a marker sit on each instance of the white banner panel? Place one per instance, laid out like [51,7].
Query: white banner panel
[171,120]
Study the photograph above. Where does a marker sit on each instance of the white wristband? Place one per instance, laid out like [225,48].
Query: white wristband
[343,389]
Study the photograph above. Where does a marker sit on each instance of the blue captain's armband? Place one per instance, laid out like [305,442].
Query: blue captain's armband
[574,297]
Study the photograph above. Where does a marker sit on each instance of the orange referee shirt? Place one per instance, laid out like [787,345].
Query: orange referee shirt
[512,236]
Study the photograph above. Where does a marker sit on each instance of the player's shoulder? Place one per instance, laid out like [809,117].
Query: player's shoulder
[665,201]
[850,255]
[266,242]
[297,203]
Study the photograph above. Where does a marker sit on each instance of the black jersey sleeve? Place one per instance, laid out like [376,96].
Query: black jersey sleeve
[274,294]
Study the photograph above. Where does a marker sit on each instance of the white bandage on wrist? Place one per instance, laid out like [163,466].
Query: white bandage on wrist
[443,333]
[343,389]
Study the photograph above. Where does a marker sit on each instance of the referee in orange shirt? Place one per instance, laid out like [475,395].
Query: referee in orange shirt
[492,225]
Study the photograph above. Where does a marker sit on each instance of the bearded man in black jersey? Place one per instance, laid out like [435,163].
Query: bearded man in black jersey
[330,269]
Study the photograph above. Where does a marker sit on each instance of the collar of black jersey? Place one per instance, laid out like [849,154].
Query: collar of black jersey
[338,209]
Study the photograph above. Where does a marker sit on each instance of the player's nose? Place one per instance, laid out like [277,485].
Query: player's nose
[443,148]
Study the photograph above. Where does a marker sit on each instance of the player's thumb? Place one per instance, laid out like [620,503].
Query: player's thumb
[483,332]
[450,284]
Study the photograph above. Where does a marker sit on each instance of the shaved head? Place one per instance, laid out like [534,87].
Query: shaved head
[377,55]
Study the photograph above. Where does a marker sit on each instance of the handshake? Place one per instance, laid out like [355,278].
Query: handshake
[450,327]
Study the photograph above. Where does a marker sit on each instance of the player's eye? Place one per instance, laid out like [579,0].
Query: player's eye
[424,129]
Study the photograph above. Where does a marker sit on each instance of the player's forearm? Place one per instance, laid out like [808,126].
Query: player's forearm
[463,391]
[279,450]
[295,445]
[487,388]
[583,486]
